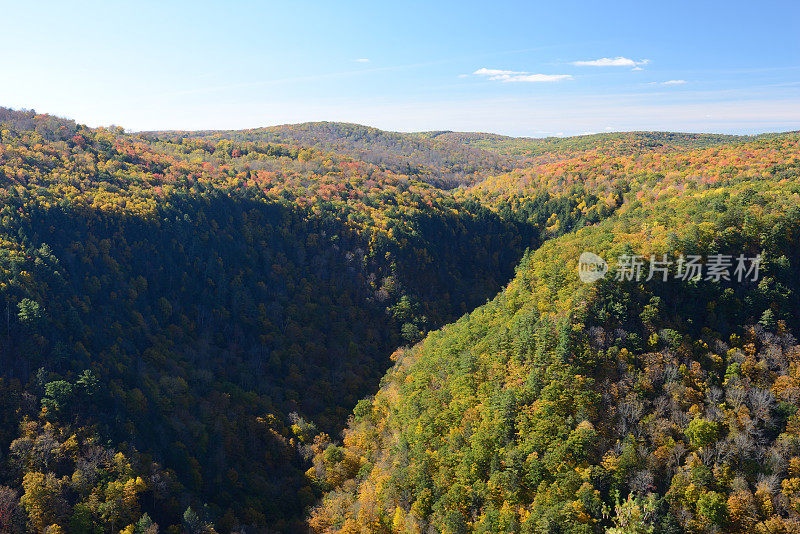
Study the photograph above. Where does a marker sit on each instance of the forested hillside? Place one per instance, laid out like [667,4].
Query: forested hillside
[189,320]
[667,405]
[426,157]
[621,142]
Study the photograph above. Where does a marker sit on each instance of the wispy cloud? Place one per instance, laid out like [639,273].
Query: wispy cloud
[538,78]
[330,75]
[669,82]
[520,76]
[618,61]
[497,72]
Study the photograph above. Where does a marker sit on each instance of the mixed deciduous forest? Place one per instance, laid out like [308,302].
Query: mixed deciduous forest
[331,328]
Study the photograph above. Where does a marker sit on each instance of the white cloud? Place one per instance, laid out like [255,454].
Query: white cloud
[538,78]
[618,61]
[361,60]
[496,72]
[520,76]
[669,82]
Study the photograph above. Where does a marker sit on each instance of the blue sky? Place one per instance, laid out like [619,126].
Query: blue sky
[520,68]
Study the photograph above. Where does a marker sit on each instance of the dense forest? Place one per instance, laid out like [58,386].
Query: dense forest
[661,405]
[428,158]
[191,319]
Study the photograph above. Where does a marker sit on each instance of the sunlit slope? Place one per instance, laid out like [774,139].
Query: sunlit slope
[568,407]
